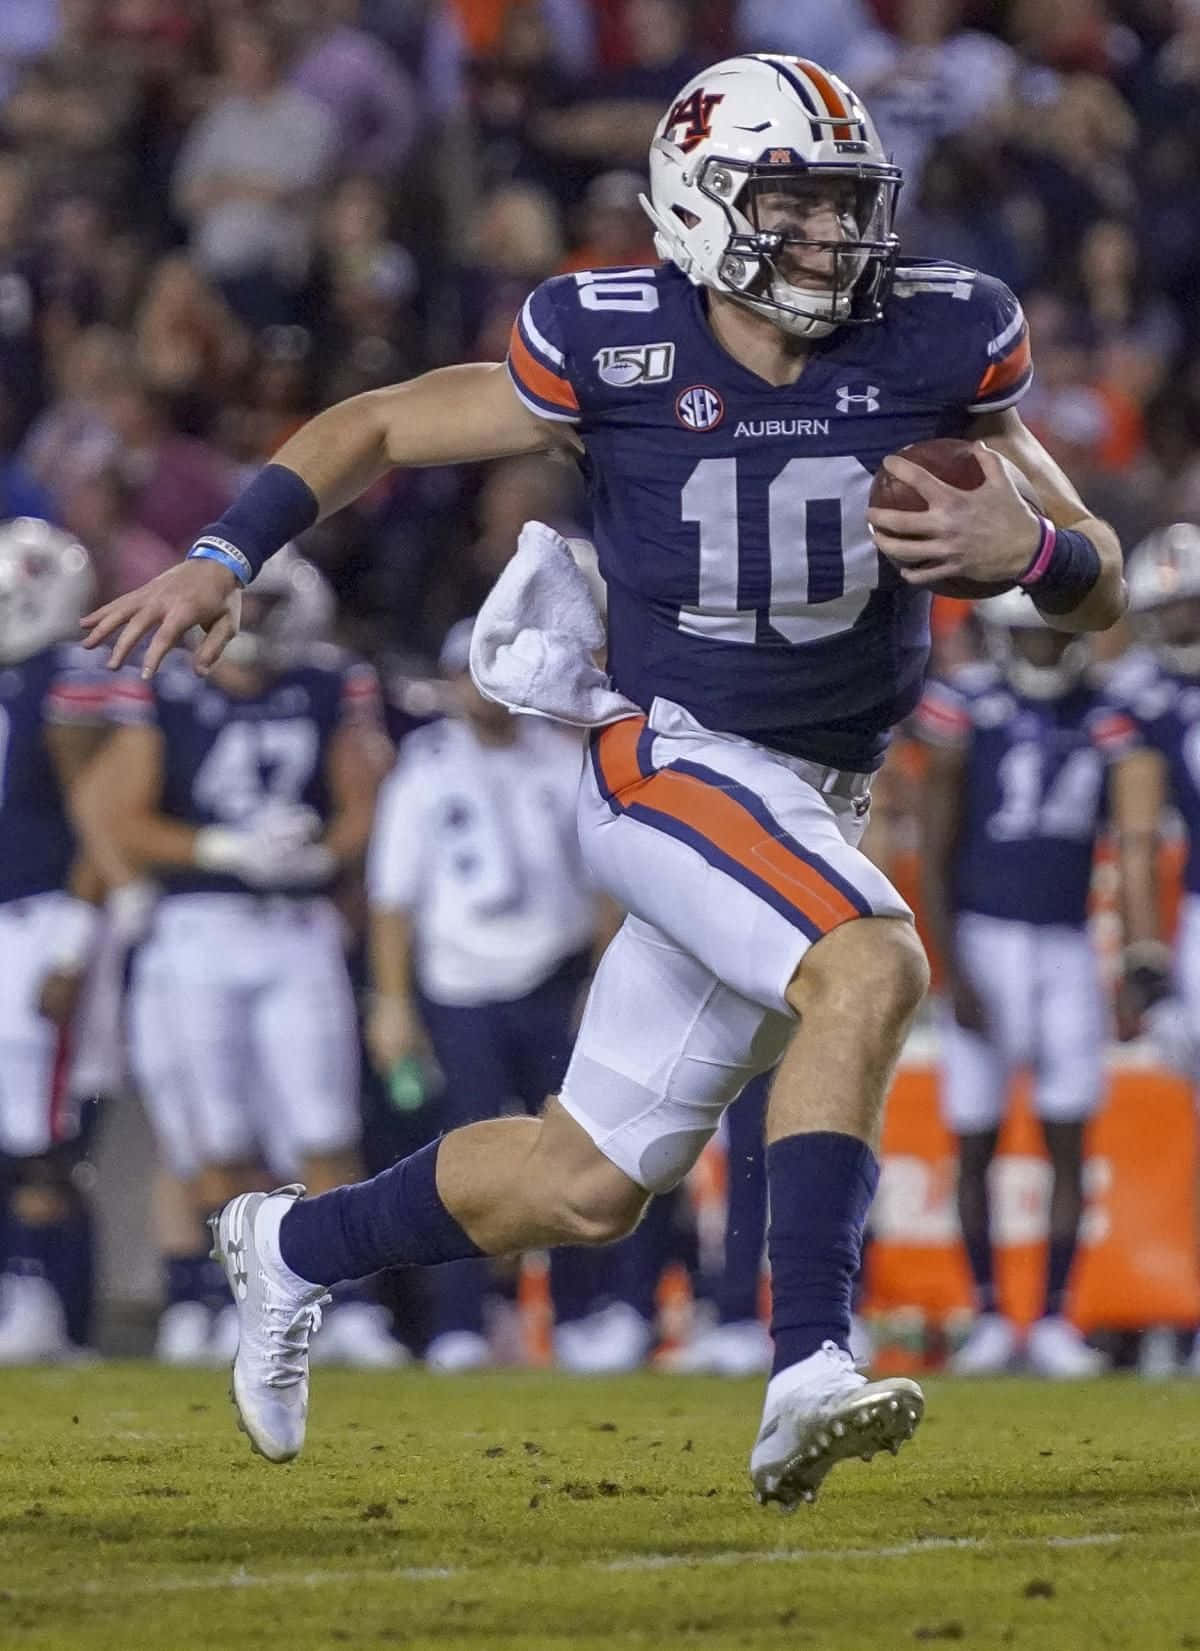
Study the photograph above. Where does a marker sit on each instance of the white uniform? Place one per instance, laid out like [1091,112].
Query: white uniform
[478,843]
[732,860]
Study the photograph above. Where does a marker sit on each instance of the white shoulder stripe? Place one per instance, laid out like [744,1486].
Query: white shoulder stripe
[1002,340]
[535,336]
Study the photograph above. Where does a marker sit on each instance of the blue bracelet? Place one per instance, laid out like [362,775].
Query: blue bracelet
[1063,570]
[229,556]
[277,506]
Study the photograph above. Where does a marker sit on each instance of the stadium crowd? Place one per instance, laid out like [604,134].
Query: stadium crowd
[218,216]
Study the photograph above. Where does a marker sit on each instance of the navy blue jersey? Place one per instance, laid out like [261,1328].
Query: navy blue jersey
[730,514]
[59,685]
[226,758]
[1165,710]
[1034,792]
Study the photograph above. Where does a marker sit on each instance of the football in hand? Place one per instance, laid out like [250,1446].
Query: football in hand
[955,463]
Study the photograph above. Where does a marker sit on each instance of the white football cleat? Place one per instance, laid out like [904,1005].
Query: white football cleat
[33,1329]
[990,1348]
[820,1412]
[184,1334]
[356,1334]
[277,1314]
[741,1348]
[1056,1349]
[605,1343]
[457,1350]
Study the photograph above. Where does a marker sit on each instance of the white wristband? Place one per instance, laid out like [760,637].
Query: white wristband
[216,848]
[75,926]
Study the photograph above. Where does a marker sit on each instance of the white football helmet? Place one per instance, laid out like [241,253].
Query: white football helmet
[768,125]
[1163,574]
[287,608]
[45,585]
[1064,660]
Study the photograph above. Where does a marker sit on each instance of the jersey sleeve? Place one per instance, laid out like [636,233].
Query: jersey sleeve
[1002,366]
[943,717]
[361,699]
[130,701]
[538,358]
[394,855]
[78,692]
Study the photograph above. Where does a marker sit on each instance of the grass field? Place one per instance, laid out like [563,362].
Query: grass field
[524,1511]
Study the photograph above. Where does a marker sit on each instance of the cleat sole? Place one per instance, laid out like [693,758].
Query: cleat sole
[882,1416]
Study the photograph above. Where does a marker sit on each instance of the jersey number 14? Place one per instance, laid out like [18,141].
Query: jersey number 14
[822,564]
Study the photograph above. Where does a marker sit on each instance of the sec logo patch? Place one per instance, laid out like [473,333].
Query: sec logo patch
[699,408]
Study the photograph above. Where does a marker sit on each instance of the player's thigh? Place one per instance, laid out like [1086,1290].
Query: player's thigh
[1073,1027]
[663,1048]
[1187,960]
[727,851]
[305,1033]
[207,958]
[34,1057]
[151,1015]
[999,958]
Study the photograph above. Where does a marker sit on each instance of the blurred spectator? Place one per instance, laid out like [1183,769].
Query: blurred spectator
[365,282]
[613,228]
[177,485]
[927,78]
[278,396]
[73,434]
[248,177]
[373,102]
[20,492]
[612,118]
[190,345]
[28,29]
[516,242]
[807,28]
[22,299]
[98,509]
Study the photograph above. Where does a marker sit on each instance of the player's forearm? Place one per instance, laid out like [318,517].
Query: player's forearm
[391,952]
[1105,603]
[151,842]
[1138,861]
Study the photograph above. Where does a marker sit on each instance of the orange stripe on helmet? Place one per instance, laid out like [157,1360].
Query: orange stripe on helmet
[537,378]
[729,826]
[834,102]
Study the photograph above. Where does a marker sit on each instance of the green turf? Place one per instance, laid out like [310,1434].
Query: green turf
[523,1511]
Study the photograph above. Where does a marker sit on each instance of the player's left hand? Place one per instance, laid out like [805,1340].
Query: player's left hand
[58,996]
[986,533]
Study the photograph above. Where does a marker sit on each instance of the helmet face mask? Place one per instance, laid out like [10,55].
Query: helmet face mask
[791,216]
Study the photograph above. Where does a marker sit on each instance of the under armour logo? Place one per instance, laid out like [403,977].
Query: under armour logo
[865,400]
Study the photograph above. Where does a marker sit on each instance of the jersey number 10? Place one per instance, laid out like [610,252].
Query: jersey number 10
[822,564]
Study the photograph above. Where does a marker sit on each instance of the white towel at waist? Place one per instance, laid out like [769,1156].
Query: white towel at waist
[535,635]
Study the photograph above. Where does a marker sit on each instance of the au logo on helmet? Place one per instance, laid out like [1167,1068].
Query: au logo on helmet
[699,408]
[694,112]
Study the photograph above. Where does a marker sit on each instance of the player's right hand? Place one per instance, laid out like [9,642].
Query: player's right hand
[197,592]
[393,1031]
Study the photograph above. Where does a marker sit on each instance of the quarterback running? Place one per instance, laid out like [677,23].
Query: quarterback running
[729,409]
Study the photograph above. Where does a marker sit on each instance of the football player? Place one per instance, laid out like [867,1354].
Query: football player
[248,796]
[1159,687]
[728,409]
[1011,806]
[51,724]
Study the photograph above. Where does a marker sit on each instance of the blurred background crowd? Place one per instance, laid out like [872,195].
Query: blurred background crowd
[218,216]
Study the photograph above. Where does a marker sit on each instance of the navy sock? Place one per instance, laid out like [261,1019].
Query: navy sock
[187,1277]
[820,1187]
[396,1219]
[1058,1271]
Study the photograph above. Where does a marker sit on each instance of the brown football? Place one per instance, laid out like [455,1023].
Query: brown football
[953,462]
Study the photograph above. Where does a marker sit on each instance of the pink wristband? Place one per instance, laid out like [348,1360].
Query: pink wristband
[1041,558]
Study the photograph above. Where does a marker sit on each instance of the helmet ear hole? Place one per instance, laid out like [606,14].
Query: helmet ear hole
[689,220]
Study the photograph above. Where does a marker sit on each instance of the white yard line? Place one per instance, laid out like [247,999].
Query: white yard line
[636,1562]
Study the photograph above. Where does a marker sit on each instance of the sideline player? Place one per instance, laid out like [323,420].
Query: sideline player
[1159,686]
[51,724]
[728,409]
[247,796]
[1011,807]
